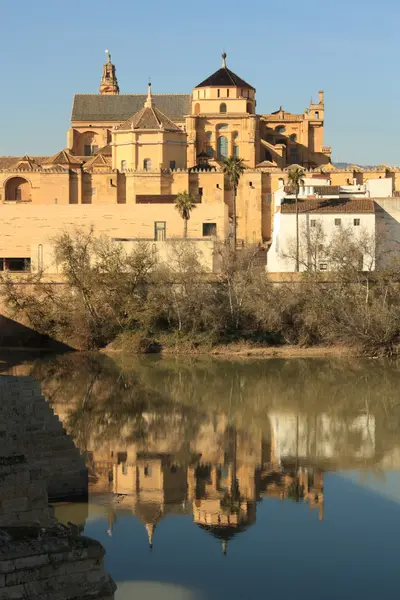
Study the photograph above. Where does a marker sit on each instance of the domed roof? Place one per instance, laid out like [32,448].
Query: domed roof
[224,77]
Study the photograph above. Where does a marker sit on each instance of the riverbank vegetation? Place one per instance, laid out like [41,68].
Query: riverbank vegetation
[135,303]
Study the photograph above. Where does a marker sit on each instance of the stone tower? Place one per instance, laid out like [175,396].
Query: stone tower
[109,81]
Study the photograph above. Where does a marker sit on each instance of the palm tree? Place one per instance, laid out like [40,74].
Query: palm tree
[184,204]
[296,180]
[233,169]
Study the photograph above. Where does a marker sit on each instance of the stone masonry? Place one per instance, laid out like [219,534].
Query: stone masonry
[37,433]
[40,559]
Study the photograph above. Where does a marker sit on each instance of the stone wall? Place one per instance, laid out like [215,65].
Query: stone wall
[37,433]
[40,559]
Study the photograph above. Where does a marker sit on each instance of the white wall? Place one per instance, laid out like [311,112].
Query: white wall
[387,229]
[379,188]
[284,235]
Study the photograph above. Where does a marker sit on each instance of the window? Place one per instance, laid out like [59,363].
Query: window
[93,191]
[218,93]
[313,223]
[281,182]
[209,229]
[222,147]
[280,129]
[293,137]
[317,114]
[338,222]
[123,166]
[222,126]
[222,108]
[209,150]
[17,264]
[356,222]
[227,93]
[87,150]
[147,471]
[200,192]
[172,164]
[147,164]
[323,267]
[236,150]
[235,135]
[160,231]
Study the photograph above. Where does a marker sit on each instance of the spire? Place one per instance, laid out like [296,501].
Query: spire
[224,60]
[150,532]
[149,100]
[109,81]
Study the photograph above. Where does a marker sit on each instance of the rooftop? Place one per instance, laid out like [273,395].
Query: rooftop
[224,77]
[345,205]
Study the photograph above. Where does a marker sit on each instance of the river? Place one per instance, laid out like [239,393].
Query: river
[239,479]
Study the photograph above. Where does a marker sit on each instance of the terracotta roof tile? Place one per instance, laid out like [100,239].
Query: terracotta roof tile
[352,205]
[64,157]
[149,118]
[98,161]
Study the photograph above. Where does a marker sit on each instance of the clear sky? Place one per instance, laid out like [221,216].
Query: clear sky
[287,50]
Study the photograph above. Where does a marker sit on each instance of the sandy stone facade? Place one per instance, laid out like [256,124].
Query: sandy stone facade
[129,155]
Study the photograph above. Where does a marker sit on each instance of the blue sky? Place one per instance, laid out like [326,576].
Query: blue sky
[287,50]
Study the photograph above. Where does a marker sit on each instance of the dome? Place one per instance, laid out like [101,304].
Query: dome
[224,77]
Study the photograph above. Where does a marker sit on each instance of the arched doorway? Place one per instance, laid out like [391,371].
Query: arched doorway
[222,147]
[18,188]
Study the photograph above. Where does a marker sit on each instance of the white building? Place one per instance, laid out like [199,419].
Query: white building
[325,212]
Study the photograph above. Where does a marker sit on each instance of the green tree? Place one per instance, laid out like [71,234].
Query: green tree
[233,169]
[296,180]
[184,204]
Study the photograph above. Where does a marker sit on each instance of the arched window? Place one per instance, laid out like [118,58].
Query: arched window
[222,147]
[197,109]
[317,114]
[236,150]
[268,156]
[222,126]
[280,129]
[293,137]
[147,164]
[123,166]
[222,108]
[235,135]
[249,108]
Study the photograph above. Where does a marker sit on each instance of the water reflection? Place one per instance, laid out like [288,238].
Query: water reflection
[245,457]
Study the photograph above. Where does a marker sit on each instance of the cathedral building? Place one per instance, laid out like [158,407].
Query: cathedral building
[129,155]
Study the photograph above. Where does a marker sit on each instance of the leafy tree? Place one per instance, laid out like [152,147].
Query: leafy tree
[233,169]
[184,204]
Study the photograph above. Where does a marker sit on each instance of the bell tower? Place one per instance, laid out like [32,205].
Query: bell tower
[109,81]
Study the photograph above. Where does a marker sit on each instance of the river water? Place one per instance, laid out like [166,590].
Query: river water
[235,479]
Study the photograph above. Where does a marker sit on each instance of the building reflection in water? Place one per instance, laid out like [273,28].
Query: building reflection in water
[218,477]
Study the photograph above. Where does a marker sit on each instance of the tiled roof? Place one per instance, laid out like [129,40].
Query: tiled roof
[352,205]
[98,161]
[322,190]
[105,150]
[224,77]
[149,118]
[96,107]
[26,163]
[64,157]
